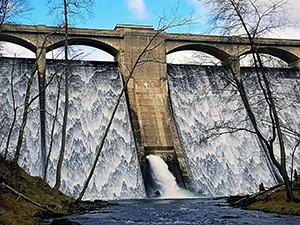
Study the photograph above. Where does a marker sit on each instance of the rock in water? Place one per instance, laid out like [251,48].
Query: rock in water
[63,222]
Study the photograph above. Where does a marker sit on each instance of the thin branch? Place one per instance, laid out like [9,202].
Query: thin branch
[26,198]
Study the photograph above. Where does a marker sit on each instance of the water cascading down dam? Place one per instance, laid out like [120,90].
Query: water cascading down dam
[148,122]
[94,88]
[227,165]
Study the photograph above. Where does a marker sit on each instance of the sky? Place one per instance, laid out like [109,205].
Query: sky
[108,13]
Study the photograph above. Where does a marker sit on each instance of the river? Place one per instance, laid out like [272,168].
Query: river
[179,211]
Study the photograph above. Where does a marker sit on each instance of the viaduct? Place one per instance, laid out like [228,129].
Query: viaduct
[147,91]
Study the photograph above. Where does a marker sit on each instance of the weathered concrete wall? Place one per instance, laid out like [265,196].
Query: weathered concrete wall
[152,118]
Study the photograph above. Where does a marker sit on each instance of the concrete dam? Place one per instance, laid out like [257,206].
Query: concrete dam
[157,115]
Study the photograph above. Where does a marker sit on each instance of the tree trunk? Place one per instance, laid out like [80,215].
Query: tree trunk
[65,119]
[41,57]
[25,114]
[52,131]
[275,120]
[272,108]
[280,166]
[14,110]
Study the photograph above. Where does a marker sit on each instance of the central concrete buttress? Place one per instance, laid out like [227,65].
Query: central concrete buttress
[150,109]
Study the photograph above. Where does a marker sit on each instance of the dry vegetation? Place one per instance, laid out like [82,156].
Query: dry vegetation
[272,200]
[14,209]
[276,202]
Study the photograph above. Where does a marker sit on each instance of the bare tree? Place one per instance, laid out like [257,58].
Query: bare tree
[70,10]
[59,78]
[253,19]
[15,108]
[27,103]
[65,118]
[11,10]
[77,11]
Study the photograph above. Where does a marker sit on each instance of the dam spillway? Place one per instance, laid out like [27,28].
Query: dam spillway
[224,166]
[94,88]
[235,162]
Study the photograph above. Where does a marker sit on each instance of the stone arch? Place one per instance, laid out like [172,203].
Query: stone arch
[216,52]
[284,55]
[88,42]
[18,41]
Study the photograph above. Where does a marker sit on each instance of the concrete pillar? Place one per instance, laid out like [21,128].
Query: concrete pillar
[41,61]
[296,65]
[233,63]
[147,92]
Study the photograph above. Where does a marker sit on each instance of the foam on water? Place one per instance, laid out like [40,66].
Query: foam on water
[164,181]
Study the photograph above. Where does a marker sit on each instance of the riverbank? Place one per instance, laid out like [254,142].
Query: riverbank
[272,200]
[27,200]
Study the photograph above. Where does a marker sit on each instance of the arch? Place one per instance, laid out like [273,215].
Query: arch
[284,55]
[216,52]
[18,41]
[192,57]
[88,42]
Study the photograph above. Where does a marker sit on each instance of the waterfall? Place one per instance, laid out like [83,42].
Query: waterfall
[94,87]
[222,165]
[231,163]
[163,181]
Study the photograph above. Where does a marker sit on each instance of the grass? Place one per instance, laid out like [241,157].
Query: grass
[277,203]
[18,211]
